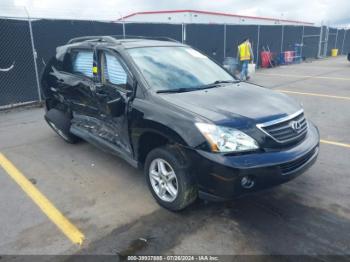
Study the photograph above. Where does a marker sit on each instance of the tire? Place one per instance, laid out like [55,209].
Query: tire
[173,160]
[60,123]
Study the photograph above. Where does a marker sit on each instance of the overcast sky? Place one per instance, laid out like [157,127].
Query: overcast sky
[329,11]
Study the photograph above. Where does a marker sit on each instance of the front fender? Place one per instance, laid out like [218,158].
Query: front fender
[172,123]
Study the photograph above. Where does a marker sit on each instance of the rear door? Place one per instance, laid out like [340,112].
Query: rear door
[76,82]
[82,95]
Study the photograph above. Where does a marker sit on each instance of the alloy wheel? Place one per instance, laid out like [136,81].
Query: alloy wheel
[163,180]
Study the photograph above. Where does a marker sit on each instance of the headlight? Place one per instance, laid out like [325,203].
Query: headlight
[226,139]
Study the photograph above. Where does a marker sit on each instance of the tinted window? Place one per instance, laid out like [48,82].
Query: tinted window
[83,63]
[177,67]
[113,70]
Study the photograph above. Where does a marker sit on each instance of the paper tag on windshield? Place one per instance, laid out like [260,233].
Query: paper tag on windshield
[195,53]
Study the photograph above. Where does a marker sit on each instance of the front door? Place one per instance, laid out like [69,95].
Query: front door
[114,78]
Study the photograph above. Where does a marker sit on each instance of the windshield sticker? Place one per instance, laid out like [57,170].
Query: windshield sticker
[195,53]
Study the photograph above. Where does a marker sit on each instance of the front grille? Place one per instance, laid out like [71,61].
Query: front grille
[286,129]
[293,165]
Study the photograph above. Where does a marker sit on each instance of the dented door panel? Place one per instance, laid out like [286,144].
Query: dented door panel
[114,129]
[77,92]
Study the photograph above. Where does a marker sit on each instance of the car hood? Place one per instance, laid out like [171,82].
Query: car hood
[235,104]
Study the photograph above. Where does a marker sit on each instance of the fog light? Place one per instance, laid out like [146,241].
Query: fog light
[247,182]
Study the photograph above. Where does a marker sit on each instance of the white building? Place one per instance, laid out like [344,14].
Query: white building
[205,17]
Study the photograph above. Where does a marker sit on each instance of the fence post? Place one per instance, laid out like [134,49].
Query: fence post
[257,47]
[336,39]
[326,42]
[320,42]
[183,33]
[123,23]
[224,41]
[34,54]
[302,43]
[342,46]
[282,38]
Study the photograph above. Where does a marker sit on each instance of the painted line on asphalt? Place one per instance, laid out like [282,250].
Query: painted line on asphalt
[313,94]
[42,202]
[334,143]
[305,76]
[307,66]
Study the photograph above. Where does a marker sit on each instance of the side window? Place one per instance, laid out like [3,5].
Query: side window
[82,63]
[113,71]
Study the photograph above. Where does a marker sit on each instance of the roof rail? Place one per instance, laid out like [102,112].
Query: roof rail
[115,38]
[101,38]
[160,38]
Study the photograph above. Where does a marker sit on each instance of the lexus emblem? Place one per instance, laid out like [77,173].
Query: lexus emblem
[295,125]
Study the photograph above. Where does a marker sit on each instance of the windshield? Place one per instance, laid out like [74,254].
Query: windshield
[173,68]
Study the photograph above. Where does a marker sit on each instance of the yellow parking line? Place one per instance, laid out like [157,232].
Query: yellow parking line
[334,143]
[306,76]
[42,202]
[313,94]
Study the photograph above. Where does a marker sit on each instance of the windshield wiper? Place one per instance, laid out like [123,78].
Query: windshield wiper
[226,81]
[189,89]
[177,90]
[217,83]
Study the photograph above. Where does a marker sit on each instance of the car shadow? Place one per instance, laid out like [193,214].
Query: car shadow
[271,222]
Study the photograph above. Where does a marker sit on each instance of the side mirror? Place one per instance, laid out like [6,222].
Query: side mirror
[116,107]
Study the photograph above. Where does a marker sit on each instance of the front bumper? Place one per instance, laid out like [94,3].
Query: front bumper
[219,176]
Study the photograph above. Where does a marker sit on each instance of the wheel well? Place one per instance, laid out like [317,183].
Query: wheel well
[53,103]
[148,142]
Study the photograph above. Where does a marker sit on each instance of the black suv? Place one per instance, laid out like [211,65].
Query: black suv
[161,105]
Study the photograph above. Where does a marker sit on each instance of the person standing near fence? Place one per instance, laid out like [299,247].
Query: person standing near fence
[245,55]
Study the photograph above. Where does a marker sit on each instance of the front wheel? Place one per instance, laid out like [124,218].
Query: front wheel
[169,179]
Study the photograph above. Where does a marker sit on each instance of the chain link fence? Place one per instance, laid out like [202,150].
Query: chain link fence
[17,69]
[27,44]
